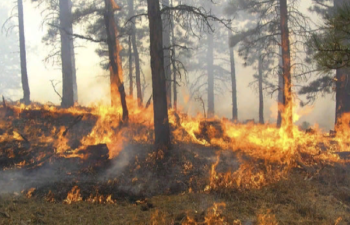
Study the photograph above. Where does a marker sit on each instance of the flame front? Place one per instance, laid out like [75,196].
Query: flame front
[269,152]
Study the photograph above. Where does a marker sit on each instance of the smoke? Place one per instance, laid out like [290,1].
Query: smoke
[93,88]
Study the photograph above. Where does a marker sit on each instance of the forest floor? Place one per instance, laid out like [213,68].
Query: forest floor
[40,186]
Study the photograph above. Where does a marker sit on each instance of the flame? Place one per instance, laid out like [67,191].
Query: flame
[269,152]
[29,193]
[73,196]
[101,199]
[267,219]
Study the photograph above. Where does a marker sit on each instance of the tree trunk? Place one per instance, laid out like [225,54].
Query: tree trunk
[115,65]
[261,96]
[287,116]
[131,84]
[342,85]
[233,84]
[210,70]
[160,109]
[69,83]
[23,57]
[342,93]
[173,61]
[280,90]
[136,55]
[166,20]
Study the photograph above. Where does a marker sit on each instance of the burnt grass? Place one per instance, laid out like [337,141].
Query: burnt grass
[174,188]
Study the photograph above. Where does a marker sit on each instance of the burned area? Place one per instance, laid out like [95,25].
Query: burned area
[62,156]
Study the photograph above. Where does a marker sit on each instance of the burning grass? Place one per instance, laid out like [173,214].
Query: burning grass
[218,172]
[292,201]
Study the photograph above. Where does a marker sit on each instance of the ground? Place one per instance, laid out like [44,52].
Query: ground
[56,170]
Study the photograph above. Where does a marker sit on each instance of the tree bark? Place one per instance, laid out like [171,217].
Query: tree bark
[160,109]
[173,61]
[233,84]
[136,55]
[115,65]
[342,85]
[210,70]
[261,96]
[23,57]
[287,116]
[166,20]
[69,83]
[280,98]
[131,84]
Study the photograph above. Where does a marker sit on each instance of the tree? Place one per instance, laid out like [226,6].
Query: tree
[115,66]
[275,19]
[287,112]
[10,70]
[166,20]
[58,15]
[210,71]
[69,83]
[135,53]
[160,109]
[260,82]
[329,48]
[233,84]
[23,57]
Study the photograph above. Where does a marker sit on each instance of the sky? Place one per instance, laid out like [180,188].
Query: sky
[93,82]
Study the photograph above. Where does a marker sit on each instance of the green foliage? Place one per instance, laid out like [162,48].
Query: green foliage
[331,46]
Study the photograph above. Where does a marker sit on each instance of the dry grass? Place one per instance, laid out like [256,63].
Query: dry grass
[292,201]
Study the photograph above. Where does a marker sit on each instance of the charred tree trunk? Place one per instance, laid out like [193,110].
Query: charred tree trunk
[261,96]
[115,65]
[280,98]
[173,61]
[342,93]
[210,70]
[233,84]
[23,57]
[131,84]
[136,55]
[160,109]
[342,85]
[287,116]
[166,45]
[69,83]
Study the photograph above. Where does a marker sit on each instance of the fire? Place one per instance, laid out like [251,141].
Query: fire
[101,199]
[212,216]
[29,193]
[50,197]
[267,219]
[73,196]
[269,152]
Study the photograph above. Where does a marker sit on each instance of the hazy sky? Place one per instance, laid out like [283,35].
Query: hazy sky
[92,87]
